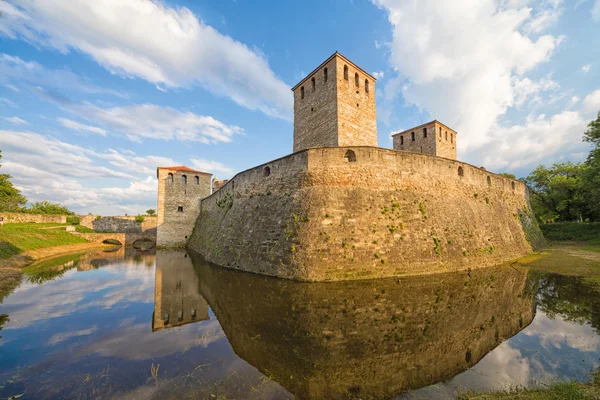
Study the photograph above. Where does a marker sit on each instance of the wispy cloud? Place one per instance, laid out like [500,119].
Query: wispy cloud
[211,166]
[15,120]
[68,123]
[166,46]
[586,68]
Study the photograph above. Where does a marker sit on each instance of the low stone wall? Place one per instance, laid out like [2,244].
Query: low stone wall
[87,220]
[123,224]
[315,216]
[11,218]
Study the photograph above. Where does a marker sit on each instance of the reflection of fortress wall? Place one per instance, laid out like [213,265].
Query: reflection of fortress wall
[106,257]
[176,298]
[372,338]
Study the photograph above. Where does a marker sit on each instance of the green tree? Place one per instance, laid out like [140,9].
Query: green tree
[151,212]
[507,175]
[46,207]
[557,192]
[591,177]
[11,198]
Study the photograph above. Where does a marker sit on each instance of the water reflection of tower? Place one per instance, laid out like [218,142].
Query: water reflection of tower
[177,300]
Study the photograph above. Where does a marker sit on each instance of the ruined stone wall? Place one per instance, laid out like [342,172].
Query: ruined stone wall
[12,218]
[87,220]
[318,217]
[315,115]
[117,224]
[178,205]
[357,123]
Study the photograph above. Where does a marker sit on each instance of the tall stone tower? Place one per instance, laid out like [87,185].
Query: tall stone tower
[335,106]
[432,138]
[180,190]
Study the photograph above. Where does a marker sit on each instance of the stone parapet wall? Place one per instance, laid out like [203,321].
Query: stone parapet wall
[317,216]
[123,224]
[11,218]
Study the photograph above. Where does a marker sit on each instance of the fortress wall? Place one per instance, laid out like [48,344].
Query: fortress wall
[13,218]
[319,217]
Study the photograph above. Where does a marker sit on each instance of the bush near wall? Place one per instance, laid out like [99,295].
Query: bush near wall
[572,231]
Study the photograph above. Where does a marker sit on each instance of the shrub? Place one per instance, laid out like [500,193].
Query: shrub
[572,231]
[139,218]
[73,219]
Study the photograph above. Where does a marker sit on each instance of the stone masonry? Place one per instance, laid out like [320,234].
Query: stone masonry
[180,190]
[335,106]
[432,138]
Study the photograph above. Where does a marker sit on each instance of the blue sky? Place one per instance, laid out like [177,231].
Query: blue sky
[95,95]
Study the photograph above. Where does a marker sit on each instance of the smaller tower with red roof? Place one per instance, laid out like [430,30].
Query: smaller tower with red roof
[180,190]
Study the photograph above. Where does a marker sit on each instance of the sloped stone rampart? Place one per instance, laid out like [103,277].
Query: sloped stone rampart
[315,216]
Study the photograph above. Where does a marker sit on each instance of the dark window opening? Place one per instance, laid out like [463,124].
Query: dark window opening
[314,83]
[412,136]
[350,156]
[489,180]
[180,209]
[401,140]
[196,180]
[356,80]
[266,171]
[461,172]
[302,92]
[513,185]
[451,138]
[184,179]
[440,133]
[367,85]
[325,75]
[170,178]
[424,132]
[345,72]
[468,356]
[446,135]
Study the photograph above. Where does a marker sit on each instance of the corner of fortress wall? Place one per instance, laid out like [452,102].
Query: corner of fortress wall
[316,216]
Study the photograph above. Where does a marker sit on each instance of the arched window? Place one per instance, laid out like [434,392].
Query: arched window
[424,132]
[461,172]
[412,136]
[489,180]
[356,79]
[440,132]
[170,178]
[325,75]
[266,171]
[302,92]
[367,85]
[345,72]
[184,179]
[197,180]
[350,156]
[314,84]
[401,140]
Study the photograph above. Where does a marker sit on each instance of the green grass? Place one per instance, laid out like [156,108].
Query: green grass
[558,391]
[572,231]
[52,268]
[18,238]
[83,229]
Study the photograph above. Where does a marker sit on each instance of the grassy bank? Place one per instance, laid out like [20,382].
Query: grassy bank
[572,231]
[559,391]
[19,238]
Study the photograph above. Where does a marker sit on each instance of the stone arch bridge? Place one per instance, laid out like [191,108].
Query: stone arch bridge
[122,238]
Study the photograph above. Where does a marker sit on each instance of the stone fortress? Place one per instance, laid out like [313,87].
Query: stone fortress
[339,207]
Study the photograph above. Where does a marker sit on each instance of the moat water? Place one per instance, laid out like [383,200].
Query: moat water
[138,325]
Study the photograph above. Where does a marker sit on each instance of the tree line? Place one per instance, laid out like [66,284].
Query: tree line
[568,191]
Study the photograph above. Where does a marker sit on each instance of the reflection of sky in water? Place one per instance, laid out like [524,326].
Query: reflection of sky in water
[89,333]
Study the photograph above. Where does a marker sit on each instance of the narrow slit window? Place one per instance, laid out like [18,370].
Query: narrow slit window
[412,136]
[424,132]
[314,83]
[366,85]
[170,178]
[325,75]
[461,172]
[440,133]
[401,140]
[451,138]
[302,92]
[184,179]
[196,180]
[446,135]
[356,80]
[345,72]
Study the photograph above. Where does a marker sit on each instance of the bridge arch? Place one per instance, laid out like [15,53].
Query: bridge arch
[112,241]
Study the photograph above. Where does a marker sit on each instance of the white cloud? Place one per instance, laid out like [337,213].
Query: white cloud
[166,46]
[15,120]
[16,71]
[211,166]
[559,333]
[68,123]
[591,103]
[547,16]
[596,11]
[467,77]
[61,337]
[586,68]
[378,74]
[156,122]
[8,102]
